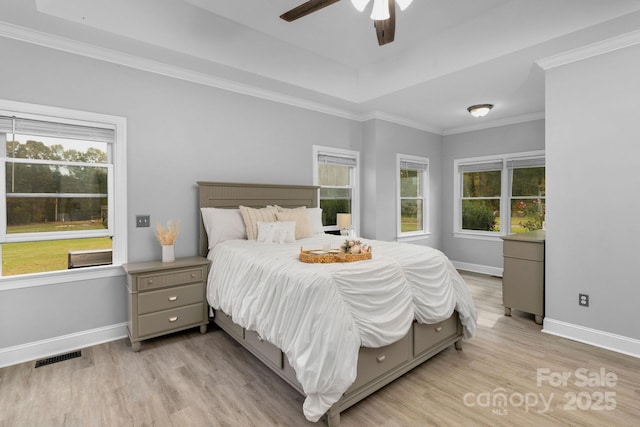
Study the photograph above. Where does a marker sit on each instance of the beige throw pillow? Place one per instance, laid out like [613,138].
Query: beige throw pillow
[251,216]
[300,216]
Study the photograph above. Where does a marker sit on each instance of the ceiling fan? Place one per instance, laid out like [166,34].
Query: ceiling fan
[383,14]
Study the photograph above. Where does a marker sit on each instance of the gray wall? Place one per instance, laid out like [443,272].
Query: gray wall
[178,133]
[593,161]
[516,138]
[383,142]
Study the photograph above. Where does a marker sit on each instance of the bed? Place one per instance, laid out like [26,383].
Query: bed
[358,326]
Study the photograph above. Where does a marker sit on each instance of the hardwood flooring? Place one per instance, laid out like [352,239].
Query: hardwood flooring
[189,379]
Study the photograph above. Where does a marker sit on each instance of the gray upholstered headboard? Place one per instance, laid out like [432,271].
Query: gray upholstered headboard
[231,195]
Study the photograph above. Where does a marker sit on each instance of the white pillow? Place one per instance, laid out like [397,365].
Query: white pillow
[276,232]
[223,224]
[315,218]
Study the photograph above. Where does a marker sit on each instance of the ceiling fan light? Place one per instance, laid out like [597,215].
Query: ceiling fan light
[480,110]
[360,4]
[402,3]
[380,11]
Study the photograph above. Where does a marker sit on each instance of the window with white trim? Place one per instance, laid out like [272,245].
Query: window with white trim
[336,172]
[499,195]
[413,180]
[58,190]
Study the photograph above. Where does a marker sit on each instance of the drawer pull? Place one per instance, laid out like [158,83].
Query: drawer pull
[173,298]
[381,358]
[439,328]
[173,319]
[193,275]
[150,281]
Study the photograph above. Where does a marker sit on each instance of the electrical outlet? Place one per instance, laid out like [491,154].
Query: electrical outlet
[143,221]
[583,300]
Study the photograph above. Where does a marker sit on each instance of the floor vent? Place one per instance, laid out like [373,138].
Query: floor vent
[59,358]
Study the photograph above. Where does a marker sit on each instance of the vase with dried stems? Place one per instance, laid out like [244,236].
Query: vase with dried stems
[167,238]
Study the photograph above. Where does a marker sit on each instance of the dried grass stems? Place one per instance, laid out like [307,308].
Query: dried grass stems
[169,235]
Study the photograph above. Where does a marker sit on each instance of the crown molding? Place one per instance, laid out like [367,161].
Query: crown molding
[609,45]
[379,115]
[51,41]
[496,123]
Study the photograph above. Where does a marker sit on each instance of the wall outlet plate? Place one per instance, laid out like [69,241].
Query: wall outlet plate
[143,221]
[583,300]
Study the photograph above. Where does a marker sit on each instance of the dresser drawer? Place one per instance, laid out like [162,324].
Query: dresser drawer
[167,320]
[267,350]
[372,362]
[425,336]
[165,299]
[171,278]
[523,250]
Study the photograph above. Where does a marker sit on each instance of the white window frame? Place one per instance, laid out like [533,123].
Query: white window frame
[117,200]
[354,180]
[412,235]
[505,193]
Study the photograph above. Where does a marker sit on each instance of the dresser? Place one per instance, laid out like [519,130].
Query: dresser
[165,297]
[523,276]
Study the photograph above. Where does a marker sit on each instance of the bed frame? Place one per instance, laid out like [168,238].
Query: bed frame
[377,367]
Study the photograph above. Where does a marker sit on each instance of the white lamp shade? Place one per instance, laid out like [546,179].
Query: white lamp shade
[344,220]
[360,4]
[380,10]
[402,3]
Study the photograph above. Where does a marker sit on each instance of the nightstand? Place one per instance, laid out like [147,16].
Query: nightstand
[166,297]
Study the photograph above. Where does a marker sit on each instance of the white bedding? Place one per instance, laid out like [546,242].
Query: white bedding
[320,314]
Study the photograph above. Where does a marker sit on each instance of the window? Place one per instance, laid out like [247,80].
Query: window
[412,195]
[336,172]
[59,188]
[527,194]
[500,195]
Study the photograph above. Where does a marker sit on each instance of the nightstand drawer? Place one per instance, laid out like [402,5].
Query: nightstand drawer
[161,280]
[425,336]
[165,299]
[167,320]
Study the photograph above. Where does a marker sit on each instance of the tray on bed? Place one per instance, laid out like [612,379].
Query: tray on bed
[319,256]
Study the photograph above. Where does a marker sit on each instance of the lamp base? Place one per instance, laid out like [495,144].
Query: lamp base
[344,232]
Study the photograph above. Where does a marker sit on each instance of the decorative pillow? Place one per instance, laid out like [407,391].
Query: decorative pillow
[315,218]
[301,217]
[251,216]
[276,232]
[222,224]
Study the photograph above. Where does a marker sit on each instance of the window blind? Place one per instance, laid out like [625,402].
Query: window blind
[408,164]
[481,167]
[537,162]
[53,129]
[337,160]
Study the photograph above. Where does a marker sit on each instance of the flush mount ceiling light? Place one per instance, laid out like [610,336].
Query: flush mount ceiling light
[380,9]
[480,110]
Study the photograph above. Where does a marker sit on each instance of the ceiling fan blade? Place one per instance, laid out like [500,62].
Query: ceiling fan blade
[306,8]
[386,29]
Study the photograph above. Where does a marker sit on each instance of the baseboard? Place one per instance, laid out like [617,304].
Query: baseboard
[62,344]
[477,268]
[606,340]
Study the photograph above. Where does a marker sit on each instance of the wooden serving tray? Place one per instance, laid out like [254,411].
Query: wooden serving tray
[318,256]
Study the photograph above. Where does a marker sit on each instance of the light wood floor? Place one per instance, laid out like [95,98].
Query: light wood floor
[189,379]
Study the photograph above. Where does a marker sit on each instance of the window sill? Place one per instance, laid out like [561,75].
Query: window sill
[62,276]
[412,237]
[478,236]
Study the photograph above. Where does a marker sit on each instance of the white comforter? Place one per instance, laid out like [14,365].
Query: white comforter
[320,314]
